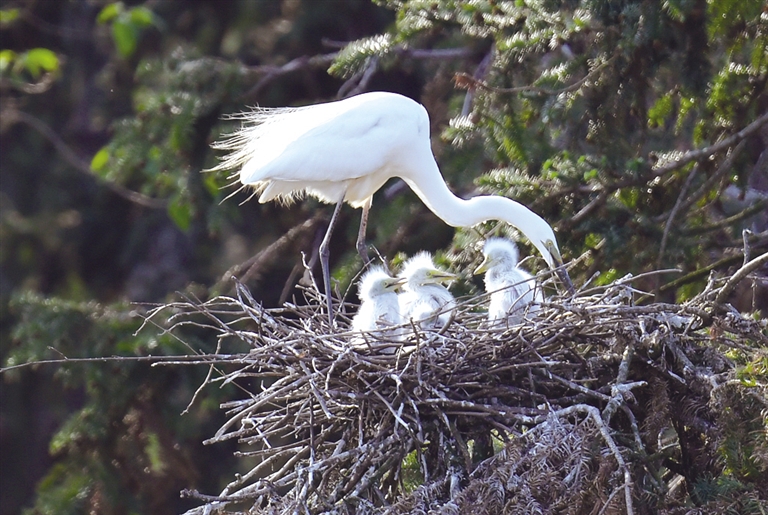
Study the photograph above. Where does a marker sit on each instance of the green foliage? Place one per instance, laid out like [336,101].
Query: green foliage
[8,16]
[727,495]
[180,212]
[124,427]
[29,64]
[50,327]
[153,151]
[411,472]
[660,111]
[64,491]
[727,16]
[355,56]
[127,25]
[584,100]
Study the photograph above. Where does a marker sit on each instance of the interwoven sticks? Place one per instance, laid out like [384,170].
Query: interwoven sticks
[342,424]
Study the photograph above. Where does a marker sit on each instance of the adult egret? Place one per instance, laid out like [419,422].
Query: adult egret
[344,151]
[512,289]
[424,299]
[379,305]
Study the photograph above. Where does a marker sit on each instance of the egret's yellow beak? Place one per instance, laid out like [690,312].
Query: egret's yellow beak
[559,267]
[439,276]
[393,284]
[555,253]
[483,266]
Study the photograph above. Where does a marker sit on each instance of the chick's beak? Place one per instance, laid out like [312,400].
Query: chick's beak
[483,266]
[439,276]
[394,284]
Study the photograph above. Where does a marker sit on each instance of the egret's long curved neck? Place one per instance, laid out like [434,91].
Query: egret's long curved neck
[429,185]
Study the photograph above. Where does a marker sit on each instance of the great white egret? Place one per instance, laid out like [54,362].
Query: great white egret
[344,151]
[424,299]
[379,304]
[511,288]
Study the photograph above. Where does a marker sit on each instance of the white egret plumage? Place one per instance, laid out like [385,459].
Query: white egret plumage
[379,307]
[344,151]
[511,288]
[424,298]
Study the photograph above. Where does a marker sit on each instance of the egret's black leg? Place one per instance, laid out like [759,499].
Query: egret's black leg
[362,248]
[325,252]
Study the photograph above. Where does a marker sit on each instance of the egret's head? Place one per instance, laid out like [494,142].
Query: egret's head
[499,253]
[376,281]
[420,270]
[543,238]
[555,262]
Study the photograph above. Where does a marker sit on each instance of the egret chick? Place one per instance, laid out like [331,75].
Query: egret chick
[344,151]
[425,299]
[379,305]
[511,288]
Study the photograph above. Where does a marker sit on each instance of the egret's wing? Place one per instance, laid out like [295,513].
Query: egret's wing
[336,141]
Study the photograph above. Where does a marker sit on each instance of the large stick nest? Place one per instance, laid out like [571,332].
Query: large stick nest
[593,405]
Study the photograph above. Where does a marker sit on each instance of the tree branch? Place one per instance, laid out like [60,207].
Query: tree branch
[78,164]
[703,153]
[743,272]
[466,81]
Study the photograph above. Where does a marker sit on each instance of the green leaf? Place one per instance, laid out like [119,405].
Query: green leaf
[110,12]
[100,160]
[41,59]
[590,175]
[7,57]
[8,16]
[660,111]
[686,105]
[592,240]
[154,451]
[211,183]
[141,16]
[629,197]
[607,277]
[180,212]
[124,33]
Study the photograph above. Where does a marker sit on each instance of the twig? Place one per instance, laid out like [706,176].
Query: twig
[466,81]
[197,359]
[271,72]
[604,190]
[743,272]
[703,153]
[359,81]
[81,166]
[725,167]
[668,224]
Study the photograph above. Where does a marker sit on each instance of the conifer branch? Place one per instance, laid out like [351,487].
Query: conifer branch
[466,81]
[705,152]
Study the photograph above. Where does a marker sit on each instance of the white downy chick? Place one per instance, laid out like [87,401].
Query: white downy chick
[379,307]
[512,289]
[425,299]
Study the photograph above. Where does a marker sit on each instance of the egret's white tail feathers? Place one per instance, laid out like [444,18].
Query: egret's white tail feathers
[264,136]
[254,151]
